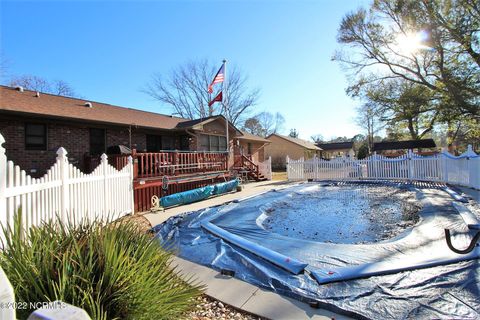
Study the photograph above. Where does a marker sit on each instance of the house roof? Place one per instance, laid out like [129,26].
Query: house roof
[406,144]
[251,137]
[199,123]
[335,145]
[26,102]
[303,143]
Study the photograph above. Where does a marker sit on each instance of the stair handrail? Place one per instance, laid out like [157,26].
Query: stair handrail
[246,160]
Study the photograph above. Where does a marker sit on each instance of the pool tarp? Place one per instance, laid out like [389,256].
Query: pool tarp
[447,285]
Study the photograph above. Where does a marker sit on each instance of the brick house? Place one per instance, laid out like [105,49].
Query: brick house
[35,125]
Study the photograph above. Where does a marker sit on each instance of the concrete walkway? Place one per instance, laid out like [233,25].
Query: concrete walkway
[234,292]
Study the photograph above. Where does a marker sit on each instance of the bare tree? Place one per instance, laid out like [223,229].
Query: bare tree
[317,138]
[253,126]
[34,83]
[368,119]
[185,91]
[265,124]
[293,133]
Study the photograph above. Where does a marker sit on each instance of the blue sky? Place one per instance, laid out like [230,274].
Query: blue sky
[108,51]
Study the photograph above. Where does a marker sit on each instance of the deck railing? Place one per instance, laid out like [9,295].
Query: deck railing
[153,164]
[168,163]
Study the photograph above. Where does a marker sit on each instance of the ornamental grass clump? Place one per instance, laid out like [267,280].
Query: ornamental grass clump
[113,271]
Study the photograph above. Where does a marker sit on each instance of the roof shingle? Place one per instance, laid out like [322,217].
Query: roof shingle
[306,144]
[12,100]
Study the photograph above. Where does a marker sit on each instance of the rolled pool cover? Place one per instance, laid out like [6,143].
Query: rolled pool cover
[389,267]
[224,187]
[292,265]
[468,217]
[455,195]
[187,196]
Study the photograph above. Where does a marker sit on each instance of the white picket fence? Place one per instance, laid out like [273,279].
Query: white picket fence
[64,192]
[463,170]
[265,168]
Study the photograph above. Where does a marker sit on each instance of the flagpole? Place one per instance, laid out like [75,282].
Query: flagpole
[225,105]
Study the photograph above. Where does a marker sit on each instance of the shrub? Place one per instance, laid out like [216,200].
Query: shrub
[113,272]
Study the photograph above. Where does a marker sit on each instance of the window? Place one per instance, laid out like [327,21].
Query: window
[223,144]
[168,143]
[249,146]
[35,136]
[97,141]
[212,143]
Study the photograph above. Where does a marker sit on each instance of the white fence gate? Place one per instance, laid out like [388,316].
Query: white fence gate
[265,168]
[64,192]
[462,170]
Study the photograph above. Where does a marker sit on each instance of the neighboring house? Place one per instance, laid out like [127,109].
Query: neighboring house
[332,150]
[396,148]
[36,124]
[283,146]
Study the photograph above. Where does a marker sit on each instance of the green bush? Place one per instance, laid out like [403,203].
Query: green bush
[113,272]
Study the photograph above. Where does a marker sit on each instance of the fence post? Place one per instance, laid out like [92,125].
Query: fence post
[3,187]
[444,167]
[472,173]
[375,164]
[288,167]
[410,164]
[104,162]
[62,160]
[132,197]
[7,295]
[270,168]
[135,163]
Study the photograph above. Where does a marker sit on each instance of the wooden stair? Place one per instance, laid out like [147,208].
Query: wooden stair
[245,164]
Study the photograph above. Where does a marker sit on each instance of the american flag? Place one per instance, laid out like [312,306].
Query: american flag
[219,77]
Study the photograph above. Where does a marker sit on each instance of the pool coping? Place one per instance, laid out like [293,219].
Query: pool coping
[250,298]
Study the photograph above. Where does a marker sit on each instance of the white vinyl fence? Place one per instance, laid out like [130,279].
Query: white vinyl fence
[64,192]
[463,170]
[265,168]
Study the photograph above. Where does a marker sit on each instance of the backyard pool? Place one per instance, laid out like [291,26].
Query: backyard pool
[370,250]
[342,214]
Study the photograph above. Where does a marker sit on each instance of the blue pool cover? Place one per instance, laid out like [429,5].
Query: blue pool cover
[413,275]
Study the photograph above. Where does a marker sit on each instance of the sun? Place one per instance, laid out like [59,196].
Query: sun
[411,42]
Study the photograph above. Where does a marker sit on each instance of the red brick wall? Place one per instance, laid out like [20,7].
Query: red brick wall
[74,137]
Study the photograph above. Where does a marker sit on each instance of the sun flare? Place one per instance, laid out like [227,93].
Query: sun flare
[411,42]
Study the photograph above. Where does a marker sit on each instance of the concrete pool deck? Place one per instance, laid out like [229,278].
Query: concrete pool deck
[249,189]
[236,293]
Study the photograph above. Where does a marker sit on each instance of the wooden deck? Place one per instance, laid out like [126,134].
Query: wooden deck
[168,172]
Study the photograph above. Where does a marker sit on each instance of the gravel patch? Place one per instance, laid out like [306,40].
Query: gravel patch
[207,308]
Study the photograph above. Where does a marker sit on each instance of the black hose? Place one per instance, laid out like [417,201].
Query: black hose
[465,251]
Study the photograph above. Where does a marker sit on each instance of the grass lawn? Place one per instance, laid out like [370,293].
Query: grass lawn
[279,176]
